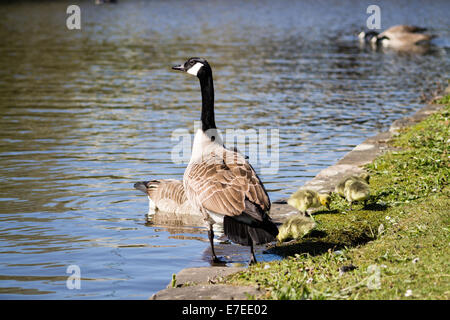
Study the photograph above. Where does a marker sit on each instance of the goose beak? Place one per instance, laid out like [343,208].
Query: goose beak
[179,67]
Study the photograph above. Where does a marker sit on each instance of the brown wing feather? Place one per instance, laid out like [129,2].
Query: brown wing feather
[221,184]
[409,34]
[166,189]
[404,28]
[410,38]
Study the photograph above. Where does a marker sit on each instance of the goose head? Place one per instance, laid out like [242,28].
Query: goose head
[201,69]
[365,176]
[325,200]
[368,36]
[198,67]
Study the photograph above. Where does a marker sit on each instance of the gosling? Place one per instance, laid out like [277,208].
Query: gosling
[363,177]
[295,228]
[304,199]
[356,190]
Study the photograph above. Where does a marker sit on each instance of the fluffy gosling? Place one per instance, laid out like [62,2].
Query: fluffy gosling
[295,227]
[304,199]
[356,190]
[363,177]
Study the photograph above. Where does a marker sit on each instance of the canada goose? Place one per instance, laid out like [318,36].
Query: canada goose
[400,36]
[165,195]
[356,190]
[295,227]
[303,199]
[398,29]
[220,182]
[339,189]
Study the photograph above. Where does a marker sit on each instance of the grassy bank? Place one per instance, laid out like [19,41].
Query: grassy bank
[395,248]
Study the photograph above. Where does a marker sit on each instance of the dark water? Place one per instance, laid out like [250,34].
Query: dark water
[85,114]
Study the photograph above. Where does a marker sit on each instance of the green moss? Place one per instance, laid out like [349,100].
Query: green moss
[398,243]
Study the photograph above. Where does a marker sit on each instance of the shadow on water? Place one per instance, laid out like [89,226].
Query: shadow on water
[229,253]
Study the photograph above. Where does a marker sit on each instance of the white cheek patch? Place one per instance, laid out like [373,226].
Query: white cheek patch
[194,70]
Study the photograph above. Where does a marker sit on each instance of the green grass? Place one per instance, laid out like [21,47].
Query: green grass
[444,100]
[399,243]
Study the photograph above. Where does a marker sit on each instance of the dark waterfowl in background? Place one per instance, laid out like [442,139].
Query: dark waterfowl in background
[400,37]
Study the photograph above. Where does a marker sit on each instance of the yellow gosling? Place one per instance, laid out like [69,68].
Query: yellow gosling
[363,177]
[304,199]
[355,190]
[295,227]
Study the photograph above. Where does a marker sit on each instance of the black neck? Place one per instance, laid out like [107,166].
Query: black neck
[207,87]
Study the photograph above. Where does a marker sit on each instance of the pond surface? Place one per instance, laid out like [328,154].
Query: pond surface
[85,114]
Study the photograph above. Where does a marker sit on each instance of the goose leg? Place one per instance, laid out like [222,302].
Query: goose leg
[252,251]
[211,242]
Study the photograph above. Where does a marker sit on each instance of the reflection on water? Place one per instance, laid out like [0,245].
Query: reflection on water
[85,114]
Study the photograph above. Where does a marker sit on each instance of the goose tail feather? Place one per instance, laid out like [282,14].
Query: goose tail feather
[245,235]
